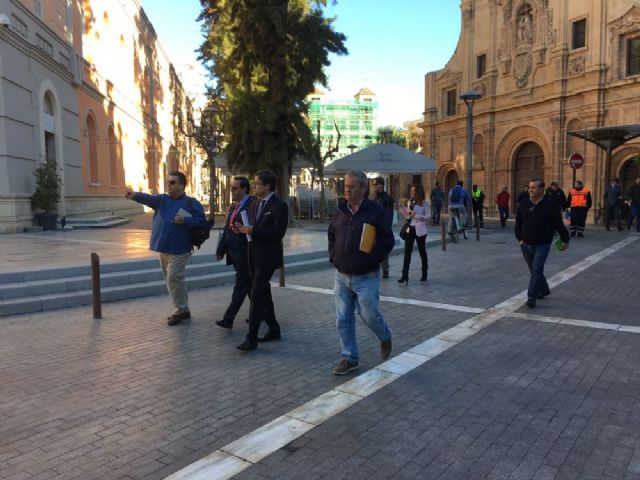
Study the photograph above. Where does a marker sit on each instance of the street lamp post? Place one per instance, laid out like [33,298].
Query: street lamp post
[469,98]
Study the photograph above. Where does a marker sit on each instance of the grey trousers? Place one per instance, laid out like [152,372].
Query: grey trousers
[173,267]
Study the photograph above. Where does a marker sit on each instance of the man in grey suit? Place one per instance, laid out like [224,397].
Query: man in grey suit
[234,246]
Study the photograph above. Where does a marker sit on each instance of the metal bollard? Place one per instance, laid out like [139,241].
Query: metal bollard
[443,235]
[477,231]
[95,285]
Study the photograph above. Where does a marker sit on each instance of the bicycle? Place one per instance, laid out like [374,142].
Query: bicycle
[455,226]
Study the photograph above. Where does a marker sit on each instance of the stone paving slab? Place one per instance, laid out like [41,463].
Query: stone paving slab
[519,400]
[128,397]
[135,399]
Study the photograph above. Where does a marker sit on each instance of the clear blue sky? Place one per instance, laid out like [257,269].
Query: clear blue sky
[392,45]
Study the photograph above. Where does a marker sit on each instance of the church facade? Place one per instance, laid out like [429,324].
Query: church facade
[543,68]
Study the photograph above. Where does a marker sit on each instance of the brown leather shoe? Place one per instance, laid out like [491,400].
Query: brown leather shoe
[176,318]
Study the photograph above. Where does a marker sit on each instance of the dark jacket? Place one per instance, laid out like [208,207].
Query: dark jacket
[386,200]
[265,248]
[166,236]
[522,197]
[611,194]
[634,194]
[536,224]
[558,197]
[437,196]
[345,231]
[231,244]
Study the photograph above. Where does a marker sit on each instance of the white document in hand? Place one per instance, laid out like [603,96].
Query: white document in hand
[183,213]
[245,221]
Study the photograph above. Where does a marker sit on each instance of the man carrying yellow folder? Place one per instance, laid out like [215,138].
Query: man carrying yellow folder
[360,237]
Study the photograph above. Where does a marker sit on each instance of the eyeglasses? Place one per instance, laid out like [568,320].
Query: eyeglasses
[172,182]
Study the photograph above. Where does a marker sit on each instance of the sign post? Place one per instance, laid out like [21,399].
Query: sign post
[576,161]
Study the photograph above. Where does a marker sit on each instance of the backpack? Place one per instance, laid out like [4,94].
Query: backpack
[199,235]
[455,194]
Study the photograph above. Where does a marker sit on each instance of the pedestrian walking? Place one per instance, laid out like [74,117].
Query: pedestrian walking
[268,221]
[580,202]
[416,212]
[437,201]
[458,200]
[387,202]
[537,219]
[634,196]
[477,203]
[523,196]
[359,237]
[555,193]
[175,215]
[502,200]
[612,195]
[234,247]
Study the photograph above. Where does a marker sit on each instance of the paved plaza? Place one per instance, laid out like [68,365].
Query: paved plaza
[477,386]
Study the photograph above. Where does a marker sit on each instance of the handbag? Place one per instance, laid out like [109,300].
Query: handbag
[404,231]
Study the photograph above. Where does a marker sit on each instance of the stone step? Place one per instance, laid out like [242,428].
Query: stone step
[106,221]
[47,302]
[44,290]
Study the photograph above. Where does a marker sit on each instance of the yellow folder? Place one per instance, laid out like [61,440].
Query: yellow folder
[368,238]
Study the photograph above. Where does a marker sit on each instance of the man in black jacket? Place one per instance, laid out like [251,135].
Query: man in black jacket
[234,246]
[268,220]
[359,237]
[386,200]
[536,221]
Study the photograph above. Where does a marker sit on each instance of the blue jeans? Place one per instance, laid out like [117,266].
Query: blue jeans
[361,292]
[535,256]
[504,215]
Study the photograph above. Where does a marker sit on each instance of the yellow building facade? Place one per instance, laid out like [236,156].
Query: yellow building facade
[543,67]
[86,84]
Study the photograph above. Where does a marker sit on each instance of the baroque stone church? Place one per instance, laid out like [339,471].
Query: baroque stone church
[543,68]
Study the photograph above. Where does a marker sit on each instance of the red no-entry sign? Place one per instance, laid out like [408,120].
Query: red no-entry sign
[576,160]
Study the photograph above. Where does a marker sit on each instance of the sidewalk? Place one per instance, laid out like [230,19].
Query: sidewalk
[486,390]
[33,251]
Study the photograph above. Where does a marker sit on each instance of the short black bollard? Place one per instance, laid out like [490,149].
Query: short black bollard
[443,235]
[477,231]
[95,285]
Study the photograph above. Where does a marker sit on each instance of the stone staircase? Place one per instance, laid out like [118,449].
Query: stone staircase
[50,289]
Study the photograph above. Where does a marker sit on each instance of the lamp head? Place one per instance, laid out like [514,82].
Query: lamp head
[470,96]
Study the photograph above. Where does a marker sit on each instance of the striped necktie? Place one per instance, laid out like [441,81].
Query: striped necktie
[234,214]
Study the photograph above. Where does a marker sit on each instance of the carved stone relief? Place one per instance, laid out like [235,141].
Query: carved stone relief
[576,65]
[526,34]
[522,68]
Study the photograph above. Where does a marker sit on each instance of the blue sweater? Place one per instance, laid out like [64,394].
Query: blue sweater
[166,236]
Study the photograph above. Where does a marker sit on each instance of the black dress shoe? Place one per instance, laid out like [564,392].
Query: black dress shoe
[269,337]
[531,303]
[247,346]
[223,324]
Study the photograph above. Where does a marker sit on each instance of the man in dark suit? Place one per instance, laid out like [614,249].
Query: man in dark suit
[268,218]
[234,246]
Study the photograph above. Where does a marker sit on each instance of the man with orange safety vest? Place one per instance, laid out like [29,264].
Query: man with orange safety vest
[579,200]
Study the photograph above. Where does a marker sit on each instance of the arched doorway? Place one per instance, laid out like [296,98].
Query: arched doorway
[528,162]
[450,180]
[628,174]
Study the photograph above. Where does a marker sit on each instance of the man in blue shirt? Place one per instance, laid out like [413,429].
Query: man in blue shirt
[175,214]
[459,200]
